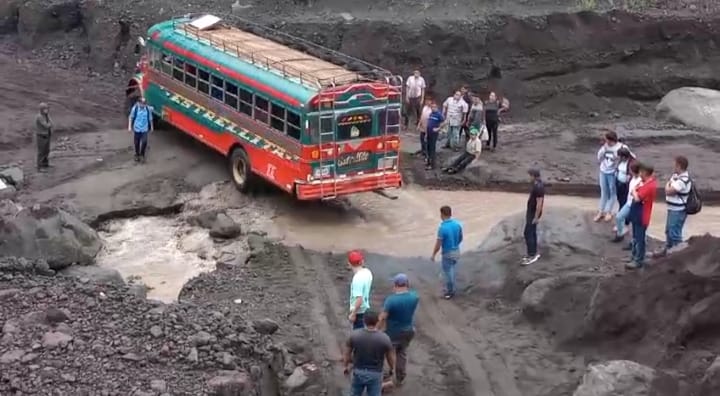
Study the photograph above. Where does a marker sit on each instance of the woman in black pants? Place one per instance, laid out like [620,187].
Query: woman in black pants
[493,108]
[623,176]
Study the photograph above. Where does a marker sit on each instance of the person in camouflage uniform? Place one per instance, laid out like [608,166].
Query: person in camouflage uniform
[43,132]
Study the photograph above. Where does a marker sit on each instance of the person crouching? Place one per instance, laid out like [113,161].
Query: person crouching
[473,149]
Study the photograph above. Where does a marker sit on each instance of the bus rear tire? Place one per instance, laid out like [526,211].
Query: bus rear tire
[240,170]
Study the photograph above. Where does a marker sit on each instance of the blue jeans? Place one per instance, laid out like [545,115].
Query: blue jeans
[674,227]
[449,262]
[530,235]
[622,216]
[423,143]
[454,136]
[638,243]
[366,380]
[607,192]
[140,142]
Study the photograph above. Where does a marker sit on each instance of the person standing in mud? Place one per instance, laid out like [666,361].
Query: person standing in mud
[677,190]
[608,159]
[494,107]
[622,220]
[359,289]
[365,350]
[398,320]
[140,123]
[641,213]
[455,111]
[43,133]
[435,122]
[449,238]
[467,97]
[533,213]
[422,127]
[414,97]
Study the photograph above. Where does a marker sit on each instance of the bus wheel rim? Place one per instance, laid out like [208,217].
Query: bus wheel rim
[239,172]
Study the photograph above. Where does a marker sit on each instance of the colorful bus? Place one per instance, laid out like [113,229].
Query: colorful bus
[307,125]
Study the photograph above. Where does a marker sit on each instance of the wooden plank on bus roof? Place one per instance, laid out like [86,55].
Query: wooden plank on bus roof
[279,56]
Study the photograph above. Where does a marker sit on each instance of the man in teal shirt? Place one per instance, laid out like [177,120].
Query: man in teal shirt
[449,238]
[359,289]
[398,317]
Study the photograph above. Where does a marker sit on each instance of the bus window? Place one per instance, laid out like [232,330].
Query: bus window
[231,91]
[293,125]
[167,64]
[261,109]
[190,75]
[354,126]
[246,100]
[277,117]
[203,81]
[179,70]
[217,88]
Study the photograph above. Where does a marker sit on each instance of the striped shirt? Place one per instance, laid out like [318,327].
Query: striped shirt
[682,184]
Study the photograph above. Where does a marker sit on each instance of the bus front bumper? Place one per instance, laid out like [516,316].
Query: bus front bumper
[349,185]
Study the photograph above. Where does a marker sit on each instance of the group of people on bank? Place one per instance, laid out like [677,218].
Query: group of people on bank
[630,182]
[462,116]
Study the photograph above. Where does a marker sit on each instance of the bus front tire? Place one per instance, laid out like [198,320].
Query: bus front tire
[240,170]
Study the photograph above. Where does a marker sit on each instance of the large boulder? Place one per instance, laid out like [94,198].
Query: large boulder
[625,378]
[48,233]
[13,176]
[693,106]
[95,274]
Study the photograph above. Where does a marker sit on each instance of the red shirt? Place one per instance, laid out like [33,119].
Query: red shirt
[647,192]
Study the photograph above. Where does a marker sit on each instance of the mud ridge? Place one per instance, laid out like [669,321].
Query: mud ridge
[128,213]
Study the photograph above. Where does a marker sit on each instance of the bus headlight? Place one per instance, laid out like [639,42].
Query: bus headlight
[322,172]
[387,163]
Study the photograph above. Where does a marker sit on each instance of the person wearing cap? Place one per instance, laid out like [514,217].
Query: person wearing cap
[363,356]
[359,288]
[140,122]
[534,211]
[449,238]
[43,133]
[398,320]
[473,149]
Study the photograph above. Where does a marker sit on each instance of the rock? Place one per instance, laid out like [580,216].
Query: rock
[227,360]
[7,191]
[138,290]
[205,219]
[11,326]
[202,338]
[13,176]
[54,316]
[6,294]
[156,331]
[297,379]
[230,383]
[228,261]
[710,384]
[54,339]
[256,243]
[224,227]
[692,106]
[615,378]
[12,356]
[95,274]
[265,326]
[48,233]
[68,378]
[19,264]
[159,386]
[193,355]
[538,298]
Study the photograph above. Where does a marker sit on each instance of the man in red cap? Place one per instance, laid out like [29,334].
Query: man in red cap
[359,288]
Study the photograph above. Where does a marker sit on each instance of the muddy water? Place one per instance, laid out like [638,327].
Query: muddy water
[407,226]
[159,251]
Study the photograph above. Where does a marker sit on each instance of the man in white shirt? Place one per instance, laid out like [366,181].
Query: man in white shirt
[677,190]
[414,97]
[455,110]
[473,149]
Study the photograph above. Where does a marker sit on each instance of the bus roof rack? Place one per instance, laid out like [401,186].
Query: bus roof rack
[322,69]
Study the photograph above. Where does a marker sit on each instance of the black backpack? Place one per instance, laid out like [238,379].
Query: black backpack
[693,201]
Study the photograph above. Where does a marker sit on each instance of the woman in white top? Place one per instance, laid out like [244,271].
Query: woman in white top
[621,220]
[422,125]
[607,157]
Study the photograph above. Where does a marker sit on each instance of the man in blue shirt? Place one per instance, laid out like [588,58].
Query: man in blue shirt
[140,123]
[449,238]
[398,319]
[435,122]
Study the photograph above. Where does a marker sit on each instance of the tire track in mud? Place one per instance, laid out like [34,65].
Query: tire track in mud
[325,303]
[487,373]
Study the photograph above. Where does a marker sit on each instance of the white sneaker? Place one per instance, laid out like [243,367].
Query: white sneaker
[531,260]
[524,260]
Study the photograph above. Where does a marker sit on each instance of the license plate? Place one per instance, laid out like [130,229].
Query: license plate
[350,159]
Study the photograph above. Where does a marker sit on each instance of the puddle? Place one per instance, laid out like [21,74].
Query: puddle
[162,252]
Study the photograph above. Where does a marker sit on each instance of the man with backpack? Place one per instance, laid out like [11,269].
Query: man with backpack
[682,200]
[140,123]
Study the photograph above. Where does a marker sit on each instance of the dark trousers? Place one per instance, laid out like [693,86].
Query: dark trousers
[358,323]
[465,131]
[423,143]
[530,234]
[140,140]
[43,150]
[462,161]
[638,242]
[621,190]
[492,127]
[413,108]
[401,343]
[432,139]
